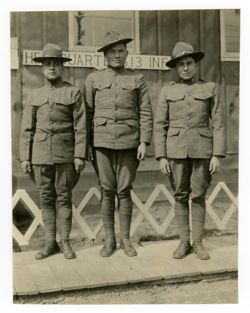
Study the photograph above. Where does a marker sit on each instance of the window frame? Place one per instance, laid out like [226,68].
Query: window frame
[225,55]
[135,35]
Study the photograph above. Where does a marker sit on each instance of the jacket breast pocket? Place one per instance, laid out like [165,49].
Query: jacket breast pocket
[129,92]
[176,105]
[64,100]
[173,97]
[101,85]
[129,86]
[203,96]
[38,101]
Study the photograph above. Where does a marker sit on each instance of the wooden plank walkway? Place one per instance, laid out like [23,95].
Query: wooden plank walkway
[153,263]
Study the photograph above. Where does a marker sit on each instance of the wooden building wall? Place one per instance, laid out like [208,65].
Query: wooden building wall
[159,31]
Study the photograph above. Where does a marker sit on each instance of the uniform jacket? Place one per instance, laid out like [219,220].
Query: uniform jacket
[189,121]
[53,126]
[118,108]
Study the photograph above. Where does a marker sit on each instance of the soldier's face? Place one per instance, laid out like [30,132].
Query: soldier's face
[116,56]
[186,68]
[52,69]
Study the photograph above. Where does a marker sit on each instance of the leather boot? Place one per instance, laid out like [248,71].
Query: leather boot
[107,211]
[182,250]
[109,248]
[51,247]
[127,247]
[198,220]
[182,223]
[67,250]
[125,217]
[200,251]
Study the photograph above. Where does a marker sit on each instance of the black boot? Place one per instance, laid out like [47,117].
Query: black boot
[182,250]
[51,247]
[67,250]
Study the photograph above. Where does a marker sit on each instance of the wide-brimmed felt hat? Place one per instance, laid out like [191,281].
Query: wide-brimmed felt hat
[51,51]
[112,38]
[183,49]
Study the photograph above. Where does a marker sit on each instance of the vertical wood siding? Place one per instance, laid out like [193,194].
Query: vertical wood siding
[159,31]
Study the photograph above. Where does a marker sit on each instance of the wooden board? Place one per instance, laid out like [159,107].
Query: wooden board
[89,270]
[23,281]
[41,272]
[117,260]
[65,272]
[86,269]
[228,257]
[224,242]
[169,267]
[141,266]
[104,267]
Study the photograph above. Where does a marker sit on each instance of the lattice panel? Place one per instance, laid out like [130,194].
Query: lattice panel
[144,211]
[221,223]
[22,195]
[79,218]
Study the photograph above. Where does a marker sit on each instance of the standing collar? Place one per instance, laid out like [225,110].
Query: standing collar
[56,84]
[116,70]
[189,82]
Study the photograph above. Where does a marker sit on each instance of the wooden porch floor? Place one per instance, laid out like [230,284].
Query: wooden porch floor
[153,263]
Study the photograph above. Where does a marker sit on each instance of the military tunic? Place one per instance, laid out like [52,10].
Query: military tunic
[53,125]
[53,133]
[188,130]
[120,116]
[189,121]
[118,108]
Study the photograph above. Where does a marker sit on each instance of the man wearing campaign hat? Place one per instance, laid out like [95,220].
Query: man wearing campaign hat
[53,148]
[189,137]
[119,112]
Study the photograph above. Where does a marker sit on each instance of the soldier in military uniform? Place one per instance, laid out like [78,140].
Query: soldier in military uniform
[119,111]
[53,148]
[189,138]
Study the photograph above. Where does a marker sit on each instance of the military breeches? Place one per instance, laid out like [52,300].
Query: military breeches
[55,184]
[190,178]
[116,170]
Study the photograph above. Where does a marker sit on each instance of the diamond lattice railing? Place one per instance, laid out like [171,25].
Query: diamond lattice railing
[22,195]
[144,211]
[221,223]
[80,219]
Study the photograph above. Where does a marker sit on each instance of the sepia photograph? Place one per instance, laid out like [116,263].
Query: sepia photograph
[125,156]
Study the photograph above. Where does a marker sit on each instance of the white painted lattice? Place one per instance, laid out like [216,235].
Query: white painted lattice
[221,223]
[143,211]
[22,195]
